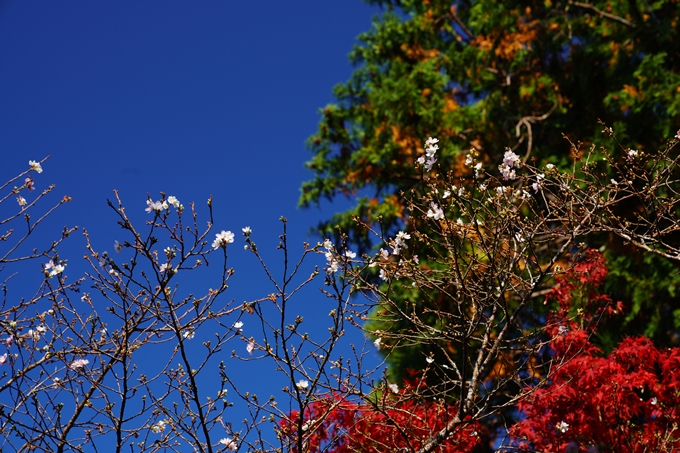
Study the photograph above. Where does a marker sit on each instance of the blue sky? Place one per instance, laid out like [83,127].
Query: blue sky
[198,98]
[191,98]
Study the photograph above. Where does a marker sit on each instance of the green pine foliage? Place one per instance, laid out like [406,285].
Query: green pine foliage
[486,75]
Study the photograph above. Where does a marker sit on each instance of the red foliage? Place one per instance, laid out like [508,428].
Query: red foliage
[628,402]
[579,287]
[333,425]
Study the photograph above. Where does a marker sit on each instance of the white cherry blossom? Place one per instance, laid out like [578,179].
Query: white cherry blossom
[35,166]
[222,239]
[155,206]
[159,427]
[229,443]
[435,212]
[78,364]
[54,269]
[173,201]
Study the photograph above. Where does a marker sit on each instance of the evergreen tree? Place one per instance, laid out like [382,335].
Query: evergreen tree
[486,75]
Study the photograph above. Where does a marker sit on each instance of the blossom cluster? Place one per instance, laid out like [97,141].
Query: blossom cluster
[78,364]
[331,259]
[398,244]
[431,148]
[229,443]
[510,163]
[470,160]
[539,181]
[435,211]
[53,268]
[161,205]
[222,239]
[159,427]
[333,264]
[29,184]
[167,267]
[35,166]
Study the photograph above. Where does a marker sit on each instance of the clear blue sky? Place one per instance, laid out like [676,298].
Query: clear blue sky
[190,98]
[196,98]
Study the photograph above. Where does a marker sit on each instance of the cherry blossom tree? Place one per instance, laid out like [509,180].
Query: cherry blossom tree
[131,355]
[492,243]
[475,304]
